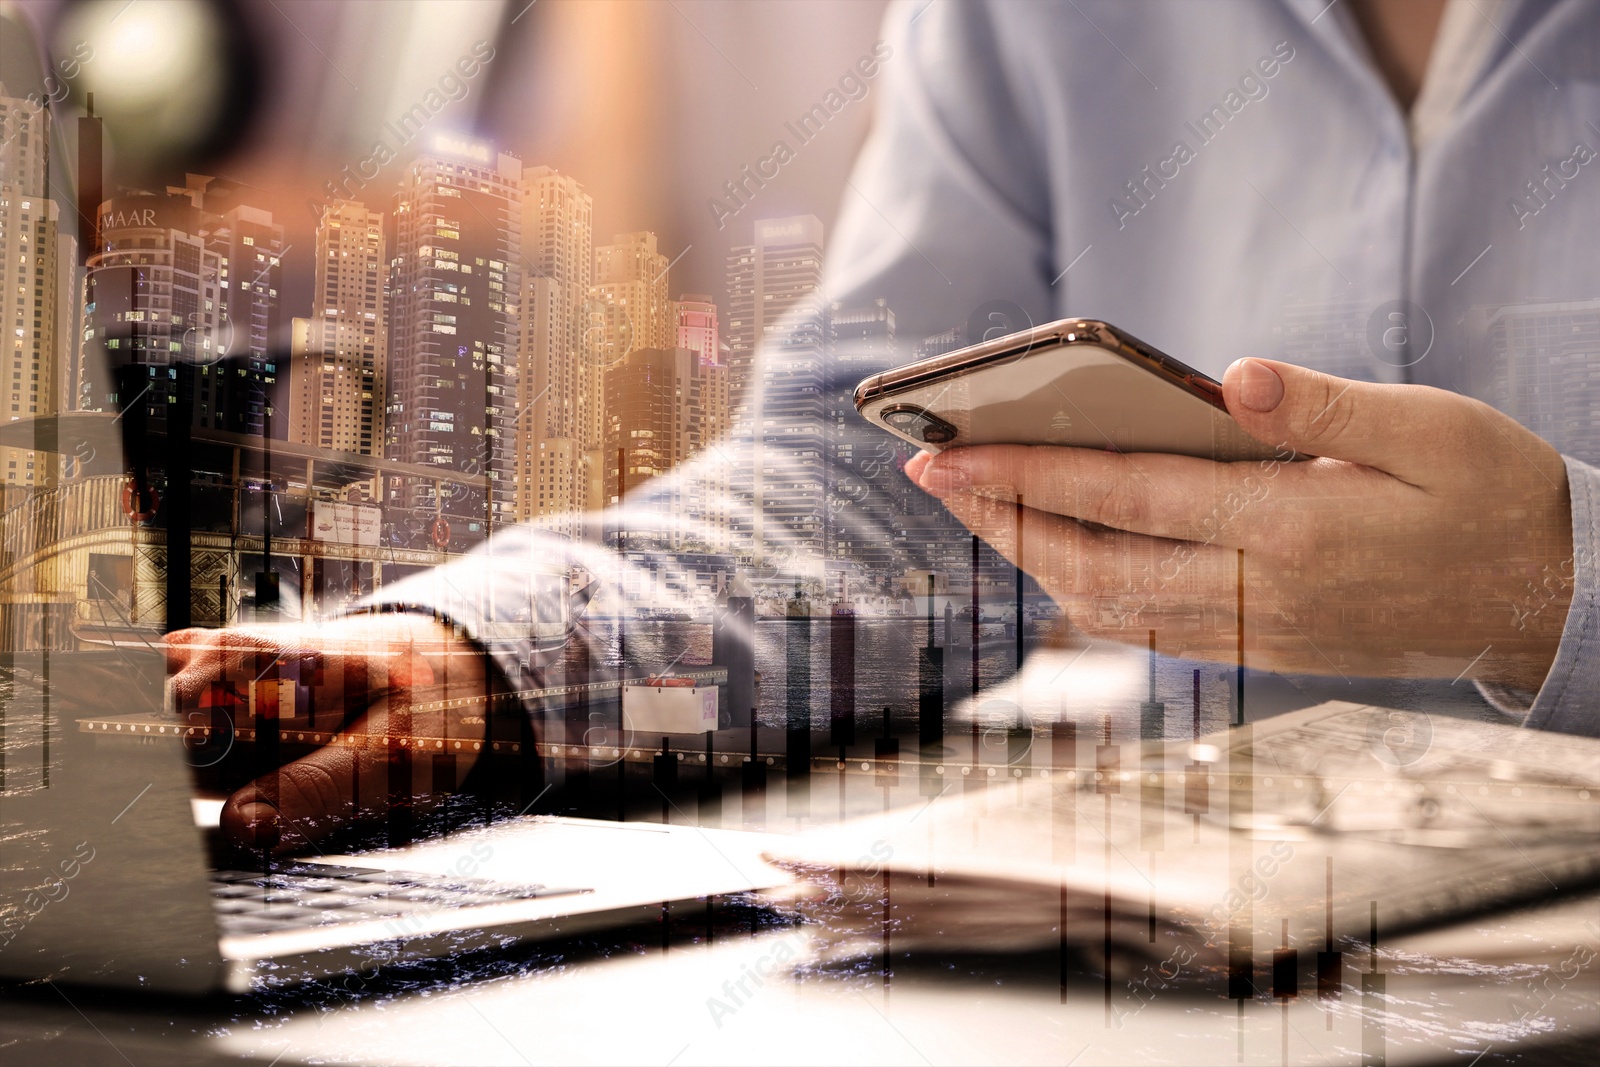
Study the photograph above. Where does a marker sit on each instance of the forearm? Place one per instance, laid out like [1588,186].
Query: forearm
[876,526]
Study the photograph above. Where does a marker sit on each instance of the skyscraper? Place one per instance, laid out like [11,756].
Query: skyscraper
[699,331]
[30,276]
[940,343]
[698,328]
[777,354]
[557,426]
[69,327]
[630,282]
[455,277]
[655,420]
[158,294]
[249,248]
[90,181]
[1545,363]
[628,309]
[339,381]
[545,465]
[1328,335]
[861,342]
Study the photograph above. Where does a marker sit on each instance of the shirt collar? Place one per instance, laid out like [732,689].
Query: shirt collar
[1472,36]
[1468,34]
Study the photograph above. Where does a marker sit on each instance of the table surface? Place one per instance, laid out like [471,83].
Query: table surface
[671,1005]
[672,994]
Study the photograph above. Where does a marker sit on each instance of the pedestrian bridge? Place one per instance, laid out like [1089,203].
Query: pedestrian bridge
[75,567]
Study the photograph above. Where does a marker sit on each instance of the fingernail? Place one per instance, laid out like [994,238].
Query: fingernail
[263,823]
[1260,388]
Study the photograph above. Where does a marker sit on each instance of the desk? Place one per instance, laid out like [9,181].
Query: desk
[663,994]
[640,997]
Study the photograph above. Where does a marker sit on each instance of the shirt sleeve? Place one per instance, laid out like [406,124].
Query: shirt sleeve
[500,594]
[497,595]
[948,206]
[521,594]
[1569,700]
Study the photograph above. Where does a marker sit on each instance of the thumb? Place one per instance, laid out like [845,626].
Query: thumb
[1398,429]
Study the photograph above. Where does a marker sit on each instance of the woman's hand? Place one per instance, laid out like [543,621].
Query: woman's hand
[1432,538]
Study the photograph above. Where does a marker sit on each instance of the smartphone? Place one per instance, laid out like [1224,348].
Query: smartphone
[1076,382]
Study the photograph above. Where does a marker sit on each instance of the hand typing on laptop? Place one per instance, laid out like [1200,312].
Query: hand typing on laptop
[358,682]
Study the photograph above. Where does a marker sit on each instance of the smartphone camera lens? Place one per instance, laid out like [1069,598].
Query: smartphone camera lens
[920,425]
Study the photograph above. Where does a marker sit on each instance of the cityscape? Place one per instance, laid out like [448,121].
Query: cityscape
[471,357]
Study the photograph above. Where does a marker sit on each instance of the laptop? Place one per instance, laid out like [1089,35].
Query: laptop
[105,879]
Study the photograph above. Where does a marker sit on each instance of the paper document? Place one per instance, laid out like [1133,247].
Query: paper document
[1293,832]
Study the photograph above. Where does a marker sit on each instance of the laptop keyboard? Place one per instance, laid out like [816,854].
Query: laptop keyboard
[309,895]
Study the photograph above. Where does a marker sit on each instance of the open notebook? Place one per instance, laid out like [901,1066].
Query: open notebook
[1302,831]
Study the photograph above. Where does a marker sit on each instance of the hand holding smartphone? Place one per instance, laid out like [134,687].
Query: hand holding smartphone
[1076,382]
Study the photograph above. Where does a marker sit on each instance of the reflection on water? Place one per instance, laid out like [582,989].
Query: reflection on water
[25,735]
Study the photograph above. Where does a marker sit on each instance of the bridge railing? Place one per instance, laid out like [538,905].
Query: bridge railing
[59,513]
[51,516]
